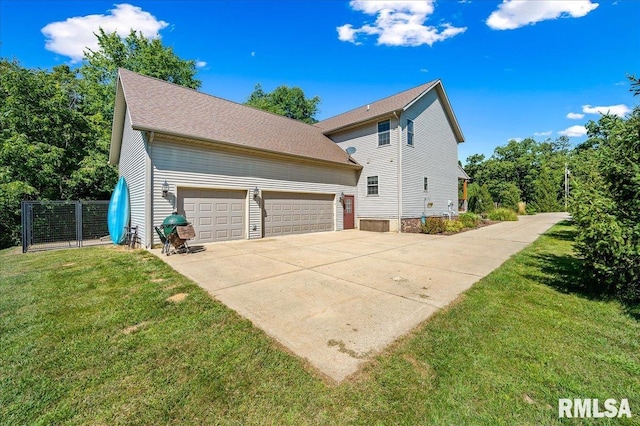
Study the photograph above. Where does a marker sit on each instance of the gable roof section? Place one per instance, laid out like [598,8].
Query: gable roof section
[462,174]
[398,102]
[165,108]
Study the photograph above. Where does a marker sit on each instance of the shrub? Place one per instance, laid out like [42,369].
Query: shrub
[546,196]
[509,195]
[453,226]
[503,214]
[480,200]
[605,205]
[469,220]
[522,208]
[433,225]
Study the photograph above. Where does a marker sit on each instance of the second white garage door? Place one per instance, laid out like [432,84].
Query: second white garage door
[296,213]
[216,215]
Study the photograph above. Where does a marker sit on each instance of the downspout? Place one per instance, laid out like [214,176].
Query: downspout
[148,196]
[399,131]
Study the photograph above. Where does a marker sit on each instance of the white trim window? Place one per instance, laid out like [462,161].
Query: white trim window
[384,132]
[372,185]
[410,132]
[425,185]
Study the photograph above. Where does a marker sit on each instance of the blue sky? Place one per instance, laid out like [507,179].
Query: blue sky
[511,69]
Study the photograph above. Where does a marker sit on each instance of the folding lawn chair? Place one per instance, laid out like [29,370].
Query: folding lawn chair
[166,245]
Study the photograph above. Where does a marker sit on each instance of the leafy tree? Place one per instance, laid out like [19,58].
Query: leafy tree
[11,194]
[605,205]
[561,145]
[43,133]
[480,200]
[44,140]
[546,192]
[136,53]
[509,196]
[474,166]
[288,101]
[635,85]
[55,126]
[520,163]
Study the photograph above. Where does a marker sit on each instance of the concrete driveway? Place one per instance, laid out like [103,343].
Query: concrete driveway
[338,298]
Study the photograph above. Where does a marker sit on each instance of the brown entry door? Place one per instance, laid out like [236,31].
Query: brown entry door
[349,216]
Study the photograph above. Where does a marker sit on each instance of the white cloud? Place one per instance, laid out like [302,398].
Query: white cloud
[573,131]
[253,53]
[74,35]
[398,23]
[547,133]
[424,70]
[575,116]
[201,64]
[620,110]
[512,14]
[347,33]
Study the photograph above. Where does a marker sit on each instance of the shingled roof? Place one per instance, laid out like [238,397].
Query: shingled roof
[165,108]
[388,105]
[376,109]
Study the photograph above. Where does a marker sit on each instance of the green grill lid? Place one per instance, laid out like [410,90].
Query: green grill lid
[175,220]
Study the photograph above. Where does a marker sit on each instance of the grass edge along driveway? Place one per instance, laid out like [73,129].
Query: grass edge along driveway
[109,336]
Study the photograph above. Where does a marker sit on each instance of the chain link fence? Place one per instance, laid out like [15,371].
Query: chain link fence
[50,225]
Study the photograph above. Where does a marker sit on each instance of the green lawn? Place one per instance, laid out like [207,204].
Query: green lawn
[87,336]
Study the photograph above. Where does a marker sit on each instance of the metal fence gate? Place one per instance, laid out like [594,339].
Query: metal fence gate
[49,225]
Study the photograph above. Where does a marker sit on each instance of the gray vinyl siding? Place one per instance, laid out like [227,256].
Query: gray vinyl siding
[132,165]
[378,161]
[434,155]
[198,166]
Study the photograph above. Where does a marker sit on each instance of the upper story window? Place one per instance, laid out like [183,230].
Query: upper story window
[372,185]
[410,132]
[384,132]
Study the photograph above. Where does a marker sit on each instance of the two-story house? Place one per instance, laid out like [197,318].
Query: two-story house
[237,172]
[407,145]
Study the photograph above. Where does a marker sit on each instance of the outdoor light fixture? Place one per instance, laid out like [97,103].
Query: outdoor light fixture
[342,197]
[256,191]
[165,189]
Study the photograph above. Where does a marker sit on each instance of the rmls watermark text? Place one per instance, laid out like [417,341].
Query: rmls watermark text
[587,407]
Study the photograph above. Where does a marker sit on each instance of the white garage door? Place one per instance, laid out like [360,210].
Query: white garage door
[216,215]
[293,213]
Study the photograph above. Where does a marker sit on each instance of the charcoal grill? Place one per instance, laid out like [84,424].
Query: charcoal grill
[174,233]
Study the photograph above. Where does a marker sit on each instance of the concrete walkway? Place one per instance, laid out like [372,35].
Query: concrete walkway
[338,298]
